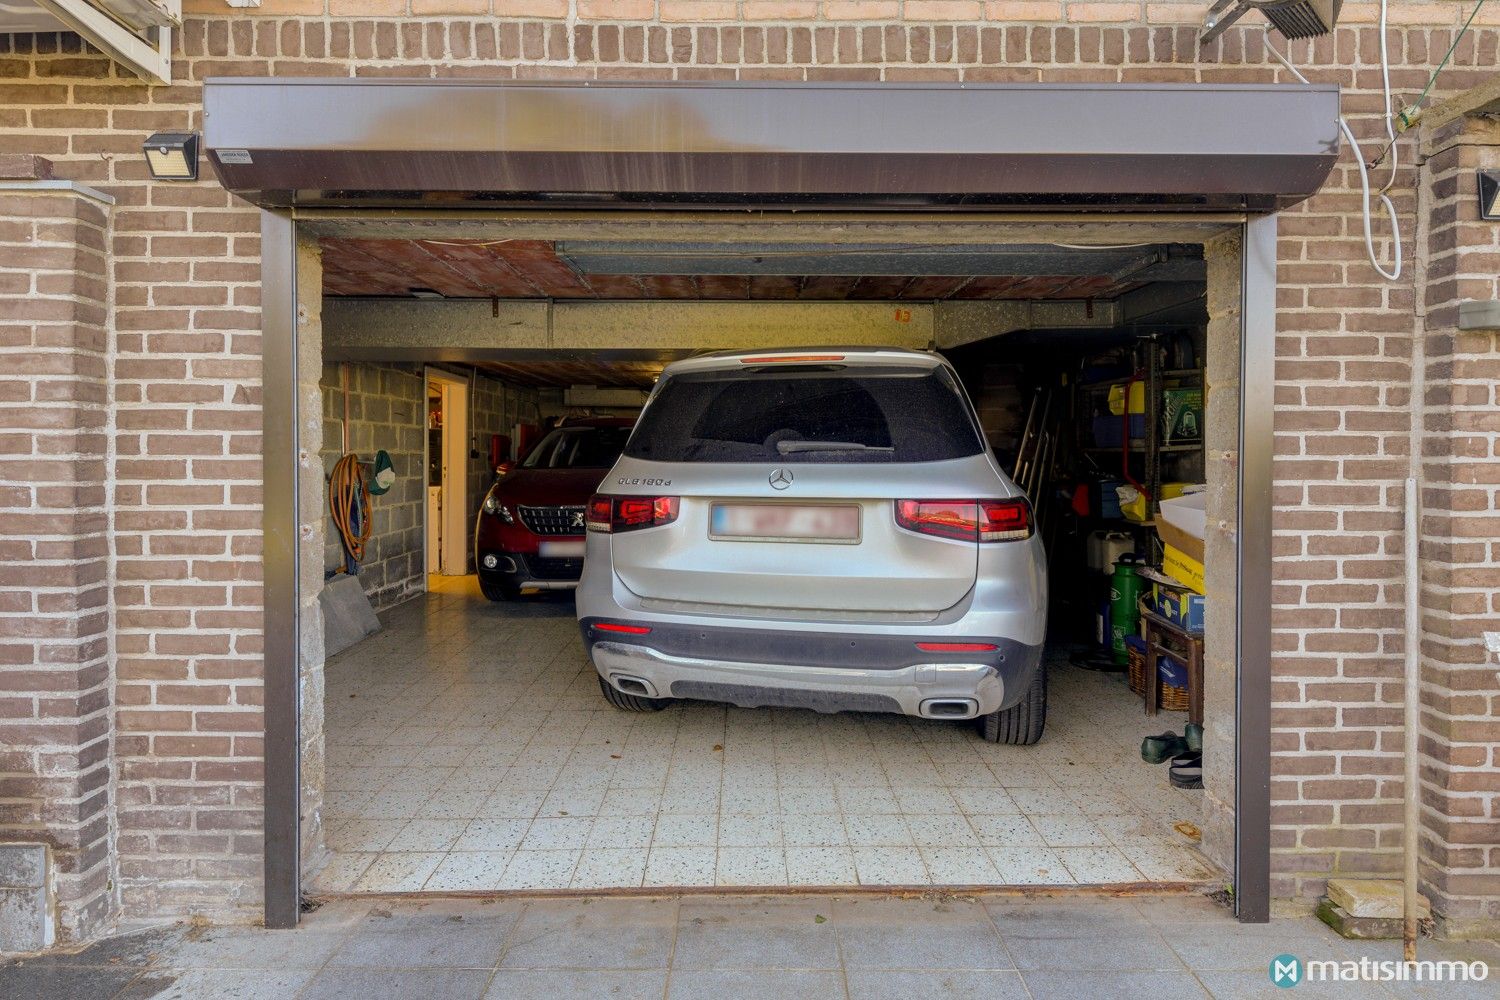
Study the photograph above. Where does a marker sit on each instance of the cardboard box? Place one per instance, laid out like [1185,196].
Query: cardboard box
[1179,606]
[1183,568]
[1175,538]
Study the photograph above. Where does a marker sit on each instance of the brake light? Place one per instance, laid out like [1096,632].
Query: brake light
[607,513]
[791,358]
[957,647]
[617,627]
[967,520]
[1004,520]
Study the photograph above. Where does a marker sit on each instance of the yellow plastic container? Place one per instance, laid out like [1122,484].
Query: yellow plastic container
[1137,398]
[1135,510]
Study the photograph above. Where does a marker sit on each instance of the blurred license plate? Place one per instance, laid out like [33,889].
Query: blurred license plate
[785,522]
[561,550]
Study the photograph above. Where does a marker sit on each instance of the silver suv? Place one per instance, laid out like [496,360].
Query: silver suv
[819,529]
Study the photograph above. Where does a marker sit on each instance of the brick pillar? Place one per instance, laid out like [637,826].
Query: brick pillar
[1460,740]
[56,683]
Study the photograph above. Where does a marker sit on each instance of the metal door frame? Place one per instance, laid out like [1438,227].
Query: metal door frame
[280,346]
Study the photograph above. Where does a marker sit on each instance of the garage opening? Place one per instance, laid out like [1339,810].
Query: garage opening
[499,369]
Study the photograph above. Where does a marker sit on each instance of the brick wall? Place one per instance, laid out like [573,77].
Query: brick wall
[1460,553]
[186,356]
[57,695]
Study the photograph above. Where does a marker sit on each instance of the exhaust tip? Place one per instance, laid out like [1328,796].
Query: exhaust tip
[633,685]
[949,708]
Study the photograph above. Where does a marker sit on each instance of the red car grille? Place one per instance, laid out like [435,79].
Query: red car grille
[553,520]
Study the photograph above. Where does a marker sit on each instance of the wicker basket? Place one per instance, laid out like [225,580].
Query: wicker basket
[1173,699]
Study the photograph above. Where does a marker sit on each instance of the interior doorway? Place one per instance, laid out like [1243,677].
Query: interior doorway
[447,530]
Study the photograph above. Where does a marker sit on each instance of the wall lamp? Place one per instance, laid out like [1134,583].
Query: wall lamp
[172,156]
[1293,18]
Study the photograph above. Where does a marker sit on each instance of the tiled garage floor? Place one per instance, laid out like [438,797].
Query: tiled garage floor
[469,748]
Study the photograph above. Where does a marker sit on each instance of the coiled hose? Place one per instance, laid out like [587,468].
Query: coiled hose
[349,502]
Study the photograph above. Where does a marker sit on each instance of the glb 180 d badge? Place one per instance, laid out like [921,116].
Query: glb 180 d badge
[636,481]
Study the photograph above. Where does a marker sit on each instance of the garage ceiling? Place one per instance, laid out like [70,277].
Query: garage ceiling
[614,374]
[542,269]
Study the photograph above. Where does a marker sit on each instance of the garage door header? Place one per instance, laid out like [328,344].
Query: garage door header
[436,143]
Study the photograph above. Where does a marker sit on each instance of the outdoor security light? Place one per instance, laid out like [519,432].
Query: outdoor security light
[1293,18]
[1489,194]
[173,156]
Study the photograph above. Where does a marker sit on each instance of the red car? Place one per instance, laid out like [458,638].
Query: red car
[530,529]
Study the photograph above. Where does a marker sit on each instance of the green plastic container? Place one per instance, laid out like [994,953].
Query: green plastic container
[1124,613]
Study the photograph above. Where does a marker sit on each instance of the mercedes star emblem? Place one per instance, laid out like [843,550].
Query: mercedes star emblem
[781,479]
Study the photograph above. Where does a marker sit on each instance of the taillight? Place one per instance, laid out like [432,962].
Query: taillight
[1004,520]
[967,520]
[607,513]
[957,647]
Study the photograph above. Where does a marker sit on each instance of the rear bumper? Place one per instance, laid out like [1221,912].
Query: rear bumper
[827,672]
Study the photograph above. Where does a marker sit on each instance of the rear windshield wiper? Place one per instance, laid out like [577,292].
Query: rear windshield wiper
[793,447]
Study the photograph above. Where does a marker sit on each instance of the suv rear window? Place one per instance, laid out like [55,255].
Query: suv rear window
[812,413]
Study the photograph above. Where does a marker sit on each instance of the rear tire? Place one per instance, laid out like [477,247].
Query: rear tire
[1022,724]
[631,702]
[499,591]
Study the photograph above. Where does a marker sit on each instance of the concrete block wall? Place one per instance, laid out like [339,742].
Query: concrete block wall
[388,410]
[185,351]
[387,407]
[59,704]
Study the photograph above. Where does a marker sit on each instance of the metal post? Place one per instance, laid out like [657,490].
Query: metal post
[1412,712]
[279,405]
[1252,785]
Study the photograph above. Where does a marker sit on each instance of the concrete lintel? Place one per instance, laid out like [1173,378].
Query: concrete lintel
[53,184]
[958,323]
[1481,100]
[1479,314]
[832,227]
[467,330]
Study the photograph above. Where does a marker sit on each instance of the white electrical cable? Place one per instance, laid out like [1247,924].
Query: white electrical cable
[1104,246]
[1359,160]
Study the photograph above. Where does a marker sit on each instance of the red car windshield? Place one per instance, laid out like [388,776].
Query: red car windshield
[578,448]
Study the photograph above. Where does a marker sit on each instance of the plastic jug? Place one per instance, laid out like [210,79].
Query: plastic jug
[1106,547]
[1124,613]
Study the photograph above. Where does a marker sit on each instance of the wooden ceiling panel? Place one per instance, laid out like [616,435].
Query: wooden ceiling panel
[774,286]
[533,269]
[486,270]
[616,286]
[724,286]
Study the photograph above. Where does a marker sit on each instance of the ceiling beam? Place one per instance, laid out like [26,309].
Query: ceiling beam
[958,323]
[478,330]
[472,330]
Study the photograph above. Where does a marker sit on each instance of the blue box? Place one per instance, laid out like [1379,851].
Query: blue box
[1179,606]
[1107,429]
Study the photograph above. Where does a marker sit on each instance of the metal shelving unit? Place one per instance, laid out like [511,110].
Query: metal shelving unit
[1148,456]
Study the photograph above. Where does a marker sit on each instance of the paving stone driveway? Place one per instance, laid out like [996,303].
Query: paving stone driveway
[862,947]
